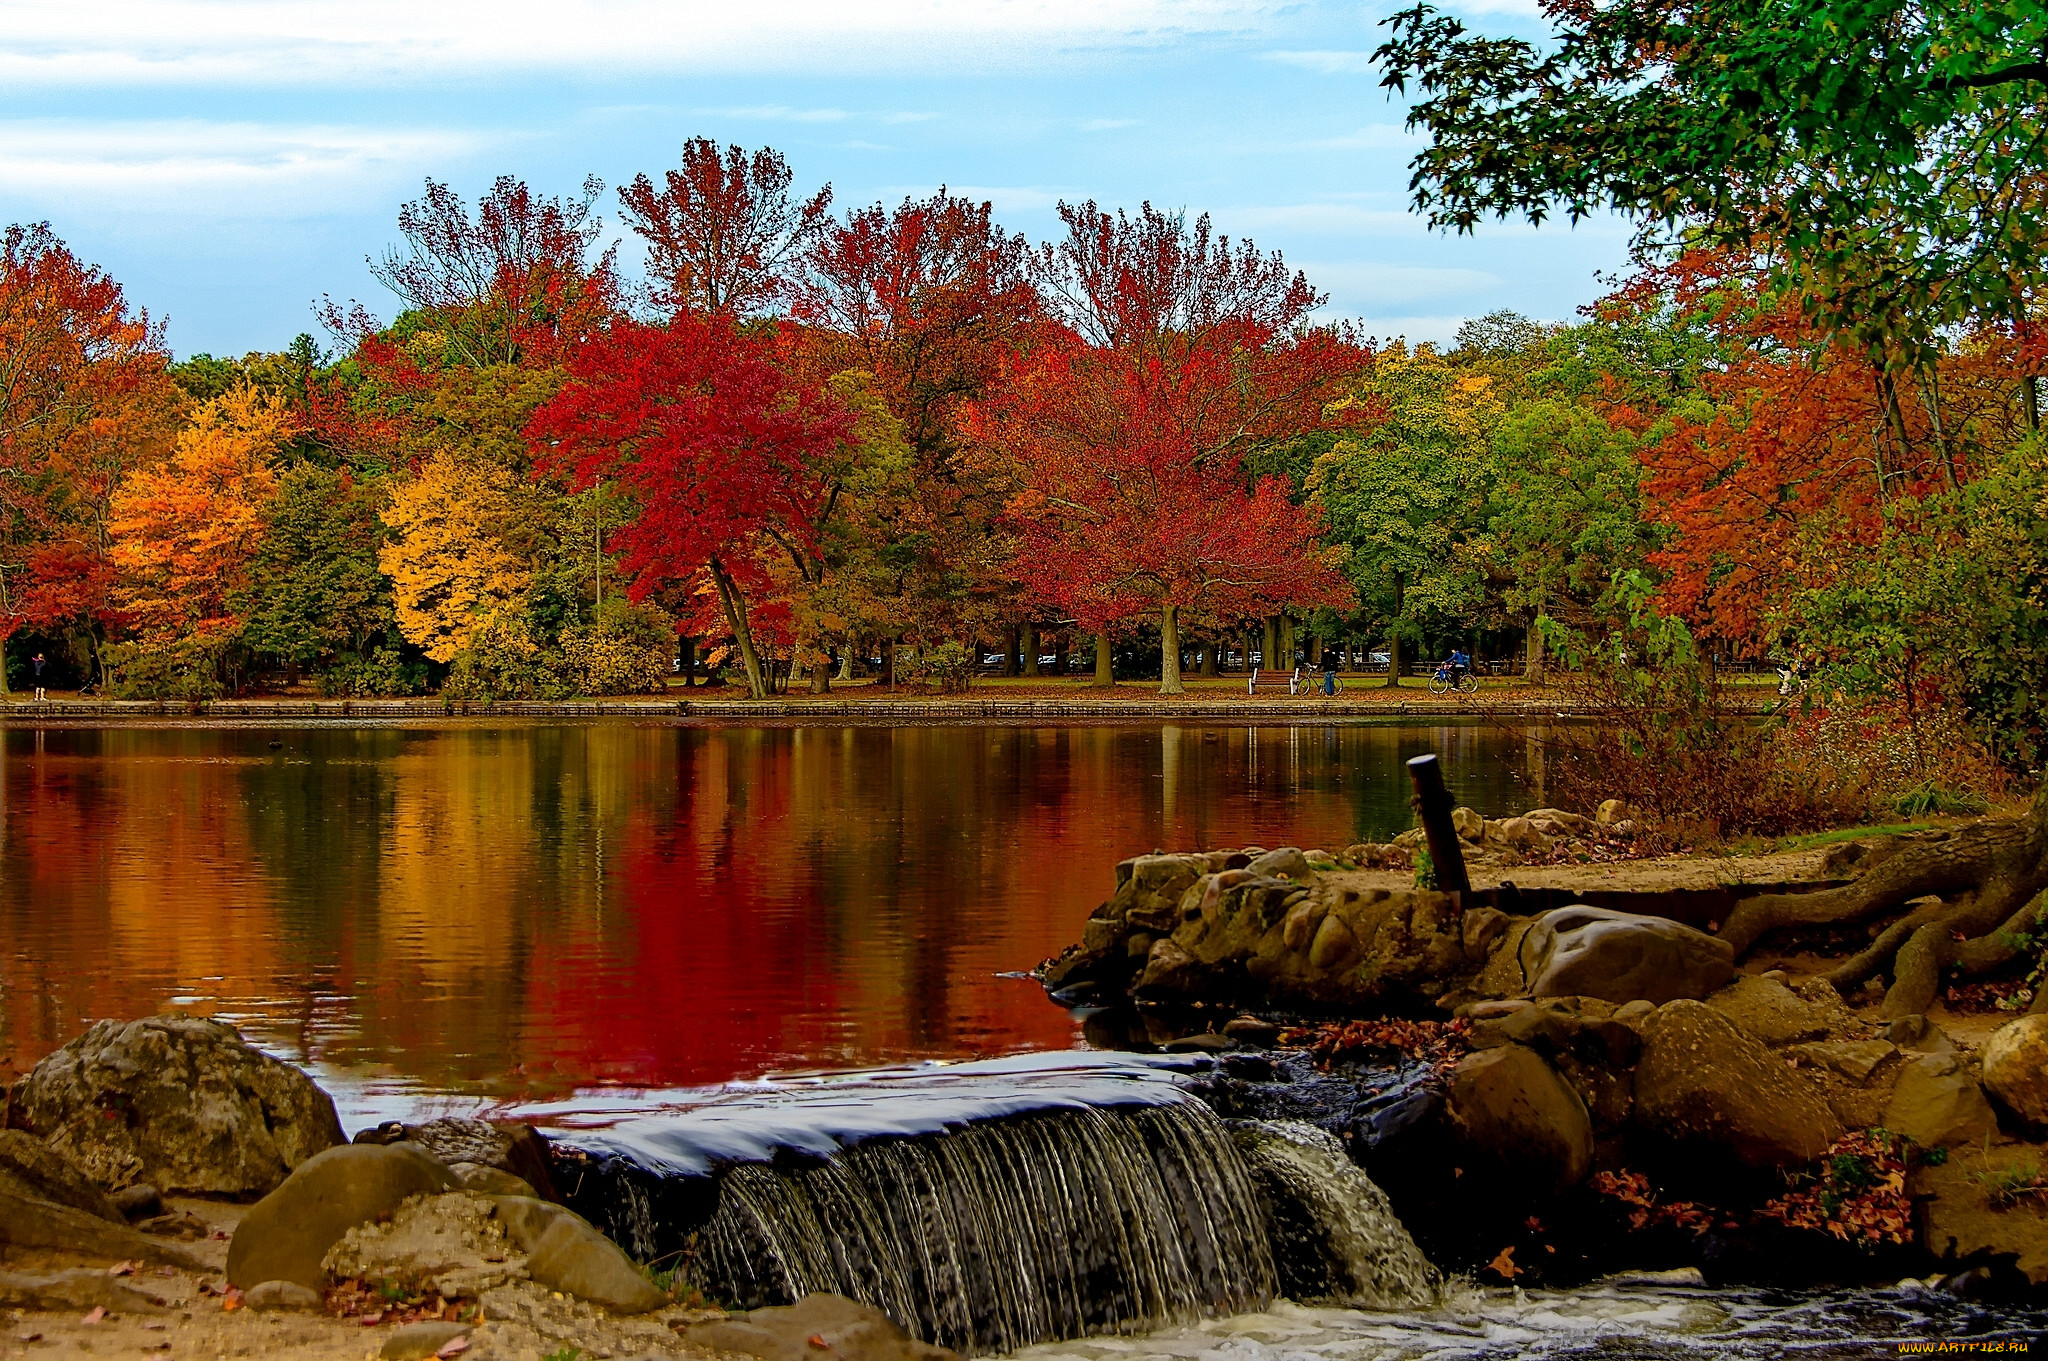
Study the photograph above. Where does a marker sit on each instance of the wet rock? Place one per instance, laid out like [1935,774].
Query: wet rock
[40,1170]
[1938,1104]
[287,1233]
[1621,957]
[2016,1067]
[453,1241]
[282,1297]
[1511,1109]
[140,1201]
[1701,1080]
[1252,1030]
[416,1341]
[517,1149]
[1769,1011]
[27,1220]
[75,1289]
[182,1103]
[1468,823]
[850,1332]
[1169,968]
[574,1258]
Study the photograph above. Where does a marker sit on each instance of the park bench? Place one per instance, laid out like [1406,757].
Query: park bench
[1279,682]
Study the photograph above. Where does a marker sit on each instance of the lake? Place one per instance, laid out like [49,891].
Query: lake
[517,911]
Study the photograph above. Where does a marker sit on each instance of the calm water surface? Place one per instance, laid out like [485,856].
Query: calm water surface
[520,911]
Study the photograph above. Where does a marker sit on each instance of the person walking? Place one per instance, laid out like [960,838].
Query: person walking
[40,694]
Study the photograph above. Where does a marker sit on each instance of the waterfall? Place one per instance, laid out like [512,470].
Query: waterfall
[989,1207]
[1334,1235]
[1003,1234]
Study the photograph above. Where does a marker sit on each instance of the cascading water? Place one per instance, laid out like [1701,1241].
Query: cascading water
[1004,1234]
[988,1207]
[1334,1235]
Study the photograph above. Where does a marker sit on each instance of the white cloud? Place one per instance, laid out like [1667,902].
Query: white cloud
[1328,219]
[1441,331]
[1372,287]
[1326,63]
[782,113]
[382,42]
[247,169]
[1373,136]
[1021,198]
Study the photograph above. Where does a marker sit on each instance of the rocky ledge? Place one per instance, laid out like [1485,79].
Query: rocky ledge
[1603,1089]
[163,1179]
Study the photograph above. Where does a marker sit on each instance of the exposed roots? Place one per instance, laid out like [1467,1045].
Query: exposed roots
[1970,896]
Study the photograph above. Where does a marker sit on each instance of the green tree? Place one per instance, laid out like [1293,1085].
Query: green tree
[315,591]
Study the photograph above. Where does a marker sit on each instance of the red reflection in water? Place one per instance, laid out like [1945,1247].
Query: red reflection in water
[520,910]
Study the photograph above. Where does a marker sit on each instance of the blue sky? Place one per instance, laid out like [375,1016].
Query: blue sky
[230,161]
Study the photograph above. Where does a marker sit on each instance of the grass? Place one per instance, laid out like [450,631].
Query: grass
[1829,838]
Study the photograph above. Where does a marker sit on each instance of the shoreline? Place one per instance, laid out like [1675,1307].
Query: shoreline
[915,709]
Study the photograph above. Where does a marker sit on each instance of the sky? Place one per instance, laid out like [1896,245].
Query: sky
[231,162]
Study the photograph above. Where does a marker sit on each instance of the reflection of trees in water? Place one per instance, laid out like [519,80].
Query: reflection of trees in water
[532,907]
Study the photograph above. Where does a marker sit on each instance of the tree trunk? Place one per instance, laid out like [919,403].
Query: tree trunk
[846,662]
[888,677]
[1169,651]
[1009,640]
[5,693]
[1105,674]
[1209,660]
[1029,636]
[687,653]
[1532,670]
[1286,643]
[2030,398]
[1985,872]
[821,675]
[735,607]
[1393,659]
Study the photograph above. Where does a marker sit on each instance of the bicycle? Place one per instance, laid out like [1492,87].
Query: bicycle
[1442,682]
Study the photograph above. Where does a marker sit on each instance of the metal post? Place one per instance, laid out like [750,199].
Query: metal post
[1432,803]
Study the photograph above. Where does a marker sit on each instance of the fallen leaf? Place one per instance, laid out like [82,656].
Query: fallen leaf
[99,1311]
[230,1300]
[454,1346]
[818,1340]
[28,1337]
[121,1269]
[1504,1265]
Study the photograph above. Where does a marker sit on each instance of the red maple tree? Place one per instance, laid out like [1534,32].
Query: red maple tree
[716,441]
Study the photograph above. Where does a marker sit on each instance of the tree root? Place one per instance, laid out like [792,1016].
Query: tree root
[1993,874]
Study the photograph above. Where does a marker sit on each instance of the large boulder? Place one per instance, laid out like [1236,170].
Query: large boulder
[2016,1067]
[1582,951]
[182,1103]
[510,1148]
[1966,1218]
[846,1330]
[78,1288]
[1510,1108]
[1702,1081]
[454,1243]
[29,1220]
[285,1235]
[1937,1104]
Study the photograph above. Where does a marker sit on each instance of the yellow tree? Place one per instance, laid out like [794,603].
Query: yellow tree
[185,530]
[449,565]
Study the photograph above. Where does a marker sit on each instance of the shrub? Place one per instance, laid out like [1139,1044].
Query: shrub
[946,667]
[380,674]
[504,661]
[188,669]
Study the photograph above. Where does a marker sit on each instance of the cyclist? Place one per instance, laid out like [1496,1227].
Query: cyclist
[1460,665]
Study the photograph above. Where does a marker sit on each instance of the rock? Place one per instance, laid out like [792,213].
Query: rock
[416,1341]
[850,1332]
[1252,1030]
[1206,1043]
[27,1220]
[1853,1059]
[490,1181]
[576,1259]
[45,1171]
[282,1297]
[1769,1011]
[454,1241]
[1920,1035]
[1333,945]
[1634,1014]
[1512,1109]
[1169,968]
[1701,1080]
[1522,834]
[1480,929]
[76,1289]
[1610,812]
[517,1149]
[525,1218]
[2016,1067]
[140,1201]
[1937,1104]
[1964,1217]
[287,1233]
[1287,860]
[1468,823]
[1565,824]
[184,1104]
[1621,957]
